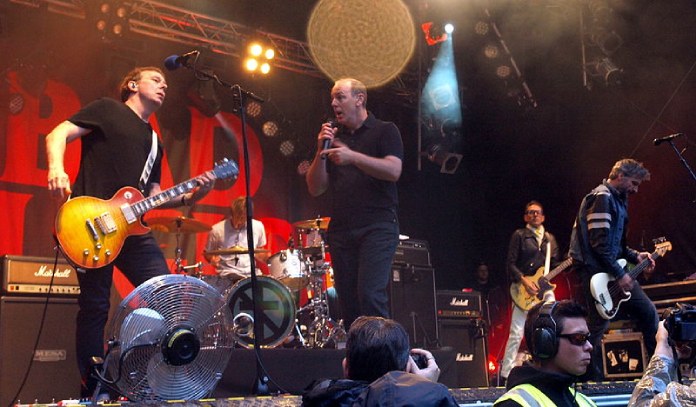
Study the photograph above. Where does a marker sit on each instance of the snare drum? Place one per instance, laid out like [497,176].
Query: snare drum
[287,267]
[276,303]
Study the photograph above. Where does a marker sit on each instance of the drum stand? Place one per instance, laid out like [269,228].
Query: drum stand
[178,261]
[322,332]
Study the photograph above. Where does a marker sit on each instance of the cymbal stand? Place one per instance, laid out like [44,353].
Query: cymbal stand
[322,331]
[178,261]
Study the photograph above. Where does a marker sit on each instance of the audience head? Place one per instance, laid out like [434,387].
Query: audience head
[374,347]
[558,337]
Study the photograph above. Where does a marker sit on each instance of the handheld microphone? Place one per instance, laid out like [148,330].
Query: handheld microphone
[327,142]
[173,62]
[661,140]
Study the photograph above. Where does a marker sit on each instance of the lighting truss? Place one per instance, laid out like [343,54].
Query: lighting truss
[165,22]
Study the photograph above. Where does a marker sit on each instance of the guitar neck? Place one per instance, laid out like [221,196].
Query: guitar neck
[564,265]
[140,207]
[643,265]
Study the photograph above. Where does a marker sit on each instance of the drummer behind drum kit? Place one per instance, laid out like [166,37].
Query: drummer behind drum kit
[303,268]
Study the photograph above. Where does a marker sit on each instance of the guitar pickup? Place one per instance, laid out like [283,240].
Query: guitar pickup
[105,223]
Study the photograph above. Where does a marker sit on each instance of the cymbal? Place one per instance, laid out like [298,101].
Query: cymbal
[318,223]
[174,224]
[235,250]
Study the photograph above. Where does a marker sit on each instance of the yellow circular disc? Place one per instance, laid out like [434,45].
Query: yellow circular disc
[367,40]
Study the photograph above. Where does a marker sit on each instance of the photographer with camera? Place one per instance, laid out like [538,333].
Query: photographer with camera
[380,369]
[660,385]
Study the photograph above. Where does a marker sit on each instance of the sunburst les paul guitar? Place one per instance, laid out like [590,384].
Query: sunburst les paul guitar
[91,231]
[607,293]
[523,299]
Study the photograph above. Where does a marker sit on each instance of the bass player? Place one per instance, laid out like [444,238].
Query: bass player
[598,240]
[531,248]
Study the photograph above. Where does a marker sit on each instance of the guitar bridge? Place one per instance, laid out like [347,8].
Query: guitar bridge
[105,223]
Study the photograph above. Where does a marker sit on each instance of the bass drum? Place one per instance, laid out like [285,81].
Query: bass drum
[277,305]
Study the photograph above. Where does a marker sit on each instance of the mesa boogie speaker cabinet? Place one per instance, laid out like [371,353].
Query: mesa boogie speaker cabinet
[467,338]
[54,374]
[412,303]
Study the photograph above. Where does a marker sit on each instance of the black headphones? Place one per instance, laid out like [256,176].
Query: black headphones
[544,335]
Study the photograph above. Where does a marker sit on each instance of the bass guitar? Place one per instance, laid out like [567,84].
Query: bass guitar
[91,231]
[523,299]
[607,293]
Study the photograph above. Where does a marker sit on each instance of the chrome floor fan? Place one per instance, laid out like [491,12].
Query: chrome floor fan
[170,339]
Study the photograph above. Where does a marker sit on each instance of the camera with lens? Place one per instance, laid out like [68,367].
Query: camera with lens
[420,360]
[680,322]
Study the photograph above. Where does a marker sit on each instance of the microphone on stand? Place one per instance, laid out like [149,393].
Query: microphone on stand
[173,62]
[661,140]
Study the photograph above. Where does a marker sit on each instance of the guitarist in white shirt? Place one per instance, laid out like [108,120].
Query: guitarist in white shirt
[530,248]
[598,240]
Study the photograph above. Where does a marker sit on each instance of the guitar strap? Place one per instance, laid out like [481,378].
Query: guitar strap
[145,175]
[547,262]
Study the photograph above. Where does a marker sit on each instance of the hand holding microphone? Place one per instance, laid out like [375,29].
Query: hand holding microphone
[328,128]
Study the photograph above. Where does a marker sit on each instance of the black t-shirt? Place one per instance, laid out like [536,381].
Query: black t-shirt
[359,199]
[114,153]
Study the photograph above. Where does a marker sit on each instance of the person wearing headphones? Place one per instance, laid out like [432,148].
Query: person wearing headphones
[557,336]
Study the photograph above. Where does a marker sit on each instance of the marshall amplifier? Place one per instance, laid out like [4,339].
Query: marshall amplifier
[413,253]
[32,275]
[458,304]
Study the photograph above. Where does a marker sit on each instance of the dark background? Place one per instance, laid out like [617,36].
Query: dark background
[554,153]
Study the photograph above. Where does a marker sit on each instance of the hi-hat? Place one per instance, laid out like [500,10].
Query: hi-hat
[177,224]
[318,223]
[234,250]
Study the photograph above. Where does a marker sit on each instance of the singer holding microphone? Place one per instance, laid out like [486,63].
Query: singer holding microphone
[119,148]
[358,161]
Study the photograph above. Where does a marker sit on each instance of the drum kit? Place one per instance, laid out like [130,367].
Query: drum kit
[293,270]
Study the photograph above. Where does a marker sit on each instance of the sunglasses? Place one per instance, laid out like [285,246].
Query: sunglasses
[577,339]
[533,212]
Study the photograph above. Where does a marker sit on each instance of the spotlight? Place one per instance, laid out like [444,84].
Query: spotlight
[612,74]
[481,28]
[449,28]
[270,129]
[303,167]
[253,109]
[258,58]
[503,71]
[287,147]
[110,18]
[491,51]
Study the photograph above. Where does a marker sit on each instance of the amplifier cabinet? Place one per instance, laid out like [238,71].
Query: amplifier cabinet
[412,303]
[32,276]
[467,338]
[624,355]
[54,373]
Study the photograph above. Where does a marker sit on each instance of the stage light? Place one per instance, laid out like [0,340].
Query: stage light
[449,28]
[110,18]
[491,51]
[503,71]
[258,58]
[607,70]
[286,148]
[303,167]
[253,109]
[481,28]
[270,129]
[251,64]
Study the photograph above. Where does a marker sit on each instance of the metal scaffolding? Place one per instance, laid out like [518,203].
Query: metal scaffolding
[165,22]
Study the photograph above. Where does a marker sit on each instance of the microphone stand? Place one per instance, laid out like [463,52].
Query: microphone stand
[240,95]
[683,161]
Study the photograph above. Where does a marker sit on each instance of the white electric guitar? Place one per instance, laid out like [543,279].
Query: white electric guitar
[607,293]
